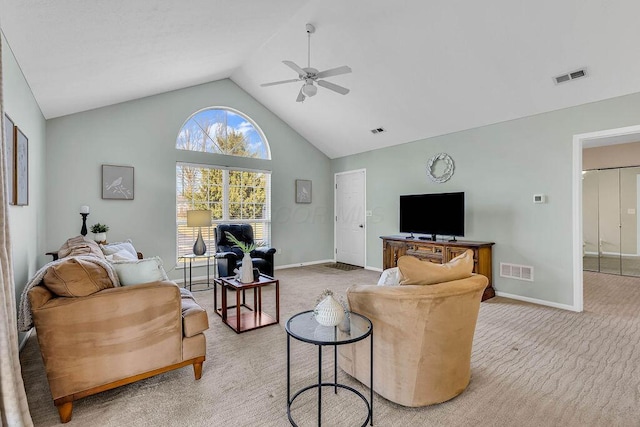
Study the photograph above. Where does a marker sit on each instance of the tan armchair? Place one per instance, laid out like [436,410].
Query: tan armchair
[422,338]
[114,337]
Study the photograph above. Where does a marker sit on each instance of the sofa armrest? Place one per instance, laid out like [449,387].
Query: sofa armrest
[230,256]
[112,334]
[262,252]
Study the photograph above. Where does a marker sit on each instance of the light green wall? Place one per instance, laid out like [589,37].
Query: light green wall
[27,223]
[142,133]
[499,167]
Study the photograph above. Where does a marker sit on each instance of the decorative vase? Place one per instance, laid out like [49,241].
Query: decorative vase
[246,270]
[329,312]
[100,237]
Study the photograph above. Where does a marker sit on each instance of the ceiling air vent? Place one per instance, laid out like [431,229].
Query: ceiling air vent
[570,76]
[377,130]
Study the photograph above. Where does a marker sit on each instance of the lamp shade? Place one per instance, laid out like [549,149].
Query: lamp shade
[201,218]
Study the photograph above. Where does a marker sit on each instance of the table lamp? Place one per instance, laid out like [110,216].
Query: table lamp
[199,218]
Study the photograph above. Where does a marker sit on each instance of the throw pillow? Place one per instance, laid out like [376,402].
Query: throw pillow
[140,271]
[112,248]
[416,272]
[79,245]
[389,277]
[123,255]
[75,277]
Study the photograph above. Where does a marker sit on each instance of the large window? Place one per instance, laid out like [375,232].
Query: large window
[233,195]
[223,131]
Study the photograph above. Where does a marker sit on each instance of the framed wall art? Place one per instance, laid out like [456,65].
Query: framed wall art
[303,191]
[10,141]
[21,181]
[117,182]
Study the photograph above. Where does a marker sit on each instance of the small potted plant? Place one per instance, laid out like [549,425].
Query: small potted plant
[246,270]
[329,311]
[100,232]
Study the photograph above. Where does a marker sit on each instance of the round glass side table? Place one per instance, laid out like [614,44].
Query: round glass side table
[304,327]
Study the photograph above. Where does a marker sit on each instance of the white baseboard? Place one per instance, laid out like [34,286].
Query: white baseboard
[302,264]
[379,270]
[537,301]
[24,340]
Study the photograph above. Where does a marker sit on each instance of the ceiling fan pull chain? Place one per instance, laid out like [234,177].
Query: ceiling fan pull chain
[309,50]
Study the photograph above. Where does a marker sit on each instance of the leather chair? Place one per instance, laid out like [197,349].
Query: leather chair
[229,257]
[423,335]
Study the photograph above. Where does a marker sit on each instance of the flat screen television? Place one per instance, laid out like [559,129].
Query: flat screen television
[432,214]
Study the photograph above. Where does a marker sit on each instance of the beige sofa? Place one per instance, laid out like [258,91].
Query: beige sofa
[114,337]
[422,337]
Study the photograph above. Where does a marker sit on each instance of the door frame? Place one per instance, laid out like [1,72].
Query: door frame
[580,141]
[364,213]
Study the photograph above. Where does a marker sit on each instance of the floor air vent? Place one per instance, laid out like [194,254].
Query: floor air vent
[515,271]
[570,76]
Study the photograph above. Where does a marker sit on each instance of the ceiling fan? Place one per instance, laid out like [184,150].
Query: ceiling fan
[310,75]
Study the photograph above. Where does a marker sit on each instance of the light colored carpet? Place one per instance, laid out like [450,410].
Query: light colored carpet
[531,366]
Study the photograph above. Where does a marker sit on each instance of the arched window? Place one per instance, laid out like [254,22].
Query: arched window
[223,131]
[233,195]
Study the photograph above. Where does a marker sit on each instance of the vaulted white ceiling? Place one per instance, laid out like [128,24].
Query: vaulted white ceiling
[420,68]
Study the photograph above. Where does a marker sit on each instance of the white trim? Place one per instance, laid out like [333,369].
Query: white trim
[24,340]
[537,301]
[579,141]
[368,267]
[364,211]
[303,264]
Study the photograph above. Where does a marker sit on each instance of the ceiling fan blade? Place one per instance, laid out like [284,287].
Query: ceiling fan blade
[334,72]
[301,96]
[280,82]
[295,68]
[334,87]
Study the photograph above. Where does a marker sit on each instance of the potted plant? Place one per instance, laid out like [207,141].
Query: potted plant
[100,232]
[246,270]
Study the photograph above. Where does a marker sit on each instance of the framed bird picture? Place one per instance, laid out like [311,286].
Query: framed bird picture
[117,182]
[303,191]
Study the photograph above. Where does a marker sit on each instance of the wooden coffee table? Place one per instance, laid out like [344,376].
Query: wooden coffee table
[244,317]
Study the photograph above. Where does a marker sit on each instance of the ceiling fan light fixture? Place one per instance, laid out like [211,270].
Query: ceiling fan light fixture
[309,89]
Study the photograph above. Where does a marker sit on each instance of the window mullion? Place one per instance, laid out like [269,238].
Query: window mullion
[225,195]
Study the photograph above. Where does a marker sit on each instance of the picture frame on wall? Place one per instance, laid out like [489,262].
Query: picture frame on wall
[10,141]
[303,191]
[21,181]
[117,182]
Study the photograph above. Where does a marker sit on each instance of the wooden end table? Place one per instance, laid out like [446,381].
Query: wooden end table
[252,317]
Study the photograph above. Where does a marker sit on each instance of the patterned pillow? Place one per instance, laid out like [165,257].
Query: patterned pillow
[113,248]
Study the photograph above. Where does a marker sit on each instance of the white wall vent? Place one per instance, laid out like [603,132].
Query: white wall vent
[515,271]
[377,130]
[570,76]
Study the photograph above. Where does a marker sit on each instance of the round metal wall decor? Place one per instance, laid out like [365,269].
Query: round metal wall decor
[448,170]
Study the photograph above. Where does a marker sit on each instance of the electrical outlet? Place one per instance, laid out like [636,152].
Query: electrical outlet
[280,251]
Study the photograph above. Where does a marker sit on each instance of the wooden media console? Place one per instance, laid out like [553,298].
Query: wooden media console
[439,251]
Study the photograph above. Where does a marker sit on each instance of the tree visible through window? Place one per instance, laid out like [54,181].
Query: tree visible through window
[232,195]
[222,131]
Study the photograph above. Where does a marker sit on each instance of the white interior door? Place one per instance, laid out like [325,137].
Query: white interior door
[350,217]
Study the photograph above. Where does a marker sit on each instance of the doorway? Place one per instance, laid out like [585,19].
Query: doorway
[580,141]
[610,220]
[350,219]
